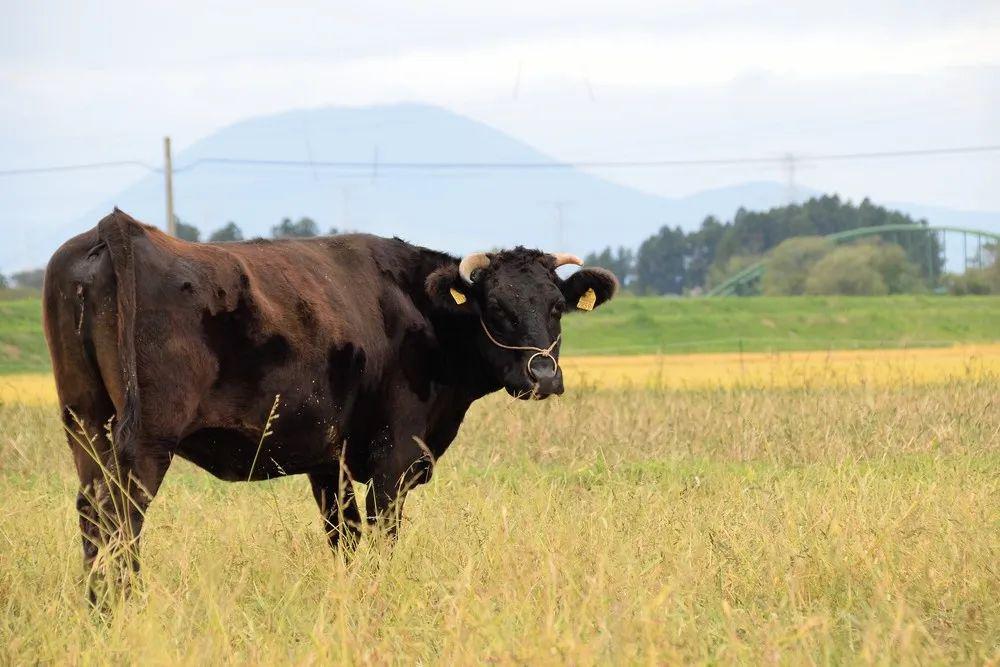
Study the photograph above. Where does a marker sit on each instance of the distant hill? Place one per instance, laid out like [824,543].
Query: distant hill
[455,210]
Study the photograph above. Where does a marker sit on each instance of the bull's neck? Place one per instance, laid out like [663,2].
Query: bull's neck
[456,335]
[458,341]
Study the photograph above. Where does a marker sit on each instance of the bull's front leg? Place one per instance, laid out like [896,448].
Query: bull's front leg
[406,464]
[334,494]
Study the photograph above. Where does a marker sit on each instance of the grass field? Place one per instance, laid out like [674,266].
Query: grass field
[757,507]
[654,326]
[829,524]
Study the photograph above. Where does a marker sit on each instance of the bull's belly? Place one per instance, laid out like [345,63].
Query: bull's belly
[235,455]
[302,435]
[312,406]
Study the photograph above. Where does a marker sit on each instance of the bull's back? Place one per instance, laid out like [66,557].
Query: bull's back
[219,328]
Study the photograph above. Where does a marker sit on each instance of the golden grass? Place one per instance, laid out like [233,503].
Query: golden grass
[701,371]
[28,388]
[820,524]
[785,369]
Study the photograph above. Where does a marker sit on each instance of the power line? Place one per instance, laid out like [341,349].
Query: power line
[367,166]
[608,164]
[905,153]
[448,166]
[77,167]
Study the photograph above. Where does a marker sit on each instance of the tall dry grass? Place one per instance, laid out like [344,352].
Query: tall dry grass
[821,525]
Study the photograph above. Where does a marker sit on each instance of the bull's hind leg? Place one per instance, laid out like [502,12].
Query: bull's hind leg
[81,319]
[94,503]
[112,501]
[334,494]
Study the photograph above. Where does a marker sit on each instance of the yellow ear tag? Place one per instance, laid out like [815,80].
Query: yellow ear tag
[457,296]
[588,300]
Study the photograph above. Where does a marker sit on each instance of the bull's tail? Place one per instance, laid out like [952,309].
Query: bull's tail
[116,232]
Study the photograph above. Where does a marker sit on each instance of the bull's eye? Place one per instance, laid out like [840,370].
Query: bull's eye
[558,308]
[504,317]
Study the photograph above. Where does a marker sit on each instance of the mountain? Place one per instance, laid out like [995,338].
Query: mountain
[452,209]
[457,209]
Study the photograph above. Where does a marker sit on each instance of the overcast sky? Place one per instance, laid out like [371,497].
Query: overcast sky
[89,81]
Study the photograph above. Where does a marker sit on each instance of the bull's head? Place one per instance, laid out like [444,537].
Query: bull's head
[519,302]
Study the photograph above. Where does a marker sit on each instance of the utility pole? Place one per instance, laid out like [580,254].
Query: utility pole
[168,176]
[559,208]
[790,160]
[346,193]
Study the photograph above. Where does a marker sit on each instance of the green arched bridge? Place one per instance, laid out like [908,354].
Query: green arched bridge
[751,274]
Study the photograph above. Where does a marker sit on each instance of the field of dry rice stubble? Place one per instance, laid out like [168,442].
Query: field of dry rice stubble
[763,522]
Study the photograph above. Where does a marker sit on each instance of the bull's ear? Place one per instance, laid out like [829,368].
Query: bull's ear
[447,290]
[588,288]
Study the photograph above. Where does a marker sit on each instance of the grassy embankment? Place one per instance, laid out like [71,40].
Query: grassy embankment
[776,324]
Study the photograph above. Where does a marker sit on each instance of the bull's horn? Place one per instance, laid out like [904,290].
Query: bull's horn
[560,258]
[469,263]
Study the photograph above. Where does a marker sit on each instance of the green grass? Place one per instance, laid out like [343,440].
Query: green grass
[17,293]
[819,526]
[646,325]
[22,343]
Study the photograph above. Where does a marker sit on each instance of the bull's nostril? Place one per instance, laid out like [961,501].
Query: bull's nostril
[542,368]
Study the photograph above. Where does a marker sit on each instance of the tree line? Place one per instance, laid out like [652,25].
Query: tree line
[304,227]
[287,228]
[800,261]
[673,261]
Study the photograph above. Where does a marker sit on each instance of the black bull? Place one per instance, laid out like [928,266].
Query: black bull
[376,348]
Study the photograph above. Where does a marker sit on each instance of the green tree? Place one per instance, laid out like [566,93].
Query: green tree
[756,232]
[718,273]
[185,231]
[700,252]
[620,262]
[864,268]
[790,263]
[230,232]
[4,284]
[901,276]
[303,228]
[700,258]
[660,264]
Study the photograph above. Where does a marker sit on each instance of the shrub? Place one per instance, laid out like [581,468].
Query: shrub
[864,269]
[790,263]
[846,270]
